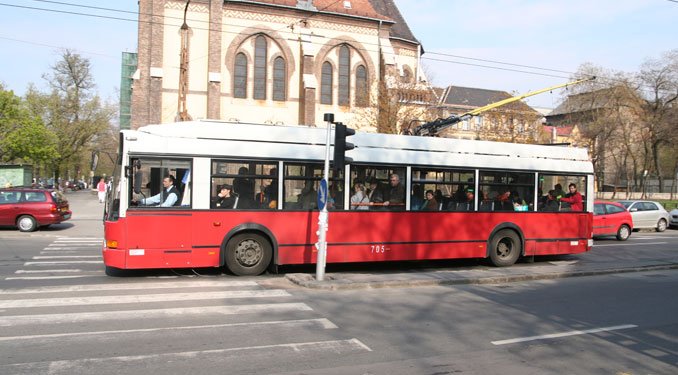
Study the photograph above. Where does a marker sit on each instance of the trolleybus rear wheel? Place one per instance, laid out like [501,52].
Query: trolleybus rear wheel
[505,248]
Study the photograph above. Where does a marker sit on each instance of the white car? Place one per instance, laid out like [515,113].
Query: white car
[647,214]
[673,218]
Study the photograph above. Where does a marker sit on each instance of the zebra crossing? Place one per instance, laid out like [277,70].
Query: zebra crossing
[127,325]
[64,258]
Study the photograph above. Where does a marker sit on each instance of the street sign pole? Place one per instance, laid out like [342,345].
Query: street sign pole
[323,216]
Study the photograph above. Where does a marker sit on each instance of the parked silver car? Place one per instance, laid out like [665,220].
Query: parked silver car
[673,218]
[647,214]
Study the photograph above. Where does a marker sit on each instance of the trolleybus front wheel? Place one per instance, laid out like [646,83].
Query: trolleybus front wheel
[505,248]
[248,254]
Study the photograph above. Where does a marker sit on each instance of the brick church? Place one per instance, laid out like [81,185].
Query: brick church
[267,61]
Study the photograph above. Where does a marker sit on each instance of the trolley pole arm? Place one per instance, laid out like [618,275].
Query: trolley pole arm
[435,126]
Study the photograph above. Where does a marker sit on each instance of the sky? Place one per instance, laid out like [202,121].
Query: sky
[489,44]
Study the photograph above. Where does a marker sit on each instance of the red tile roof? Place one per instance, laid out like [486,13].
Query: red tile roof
[361,8]
[561,131]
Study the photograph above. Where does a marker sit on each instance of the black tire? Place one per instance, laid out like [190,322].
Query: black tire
[661,225]
[114,272]
[623,233]
[505,248]
[26,223]
[248,254]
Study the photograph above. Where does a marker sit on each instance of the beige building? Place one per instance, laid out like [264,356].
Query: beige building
[267,61]
[515,122]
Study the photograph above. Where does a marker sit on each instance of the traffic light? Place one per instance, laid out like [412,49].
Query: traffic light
[341,146]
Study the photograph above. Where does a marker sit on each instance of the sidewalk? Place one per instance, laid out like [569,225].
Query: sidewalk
[587,264]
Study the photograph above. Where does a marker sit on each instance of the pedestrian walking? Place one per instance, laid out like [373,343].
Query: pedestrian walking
[101,190]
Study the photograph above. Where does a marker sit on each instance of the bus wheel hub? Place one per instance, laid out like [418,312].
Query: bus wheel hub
[248,253]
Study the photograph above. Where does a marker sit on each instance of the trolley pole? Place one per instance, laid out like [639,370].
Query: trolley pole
[323,216]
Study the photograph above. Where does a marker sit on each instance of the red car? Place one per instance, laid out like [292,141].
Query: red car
[611,219]
[28,209]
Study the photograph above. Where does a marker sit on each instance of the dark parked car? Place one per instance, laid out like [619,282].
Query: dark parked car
[611,219]
[28,209]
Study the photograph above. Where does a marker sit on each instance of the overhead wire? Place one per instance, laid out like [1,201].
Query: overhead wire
[281,31]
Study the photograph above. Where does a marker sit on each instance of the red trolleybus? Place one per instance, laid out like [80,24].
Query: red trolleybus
[271,217]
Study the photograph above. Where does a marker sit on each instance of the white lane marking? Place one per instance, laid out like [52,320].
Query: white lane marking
[85,240]
[321,323]
[38,257]
[48,252]
[46,271]
[130,286]
[141,298]
[82,317]
[78,248]
[62,262]
[337,347]
[633,244]
[50,277]
[61,238]
[563,334]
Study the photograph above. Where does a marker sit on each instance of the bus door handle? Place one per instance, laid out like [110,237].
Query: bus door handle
[216,223]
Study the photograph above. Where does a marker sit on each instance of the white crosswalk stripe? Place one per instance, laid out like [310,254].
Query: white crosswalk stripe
[230,318]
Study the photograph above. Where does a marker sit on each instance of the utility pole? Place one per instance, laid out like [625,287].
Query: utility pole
[182,111]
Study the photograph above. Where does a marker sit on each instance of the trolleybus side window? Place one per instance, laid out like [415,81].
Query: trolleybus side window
[301,181]
[449,187]
[506,191]
[559,184]
[255,183]
[382,187]
[148,175]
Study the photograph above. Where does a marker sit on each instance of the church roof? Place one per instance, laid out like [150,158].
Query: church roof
[385,10]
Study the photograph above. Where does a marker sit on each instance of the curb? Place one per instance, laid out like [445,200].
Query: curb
[333,283]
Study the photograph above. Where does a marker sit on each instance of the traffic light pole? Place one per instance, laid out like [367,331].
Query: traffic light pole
[323,216]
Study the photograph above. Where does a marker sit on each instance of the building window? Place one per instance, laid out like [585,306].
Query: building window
[240,79]
[361,92]
[344,77]
[326,84]
[279,79]
[260,50]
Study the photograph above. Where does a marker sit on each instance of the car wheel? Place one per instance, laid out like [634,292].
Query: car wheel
[623,233]
[505,248]
[248,254]
[26,223]
[661,225]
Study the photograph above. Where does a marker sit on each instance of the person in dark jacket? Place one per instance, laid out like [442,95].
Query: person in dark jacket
[225,199]
[431,204]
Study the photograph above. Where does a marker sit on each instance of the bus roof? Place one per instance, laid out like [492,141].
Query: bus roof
[210,138]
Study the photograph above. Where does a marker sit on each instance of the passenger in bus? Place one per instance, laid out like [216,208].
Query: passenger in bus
[168,197]
[395,195]
[503,202]
[308,198]
[551,203]
[375,194]
[225,198]
[559,193]
[271,190]
[469,202]
[359,200]
[574,198]
[431,204]
[417,197]
[244,187]
[519,204]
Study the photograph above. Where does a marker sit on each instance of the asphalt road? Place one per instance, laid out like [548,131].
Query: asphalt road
[59,314]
